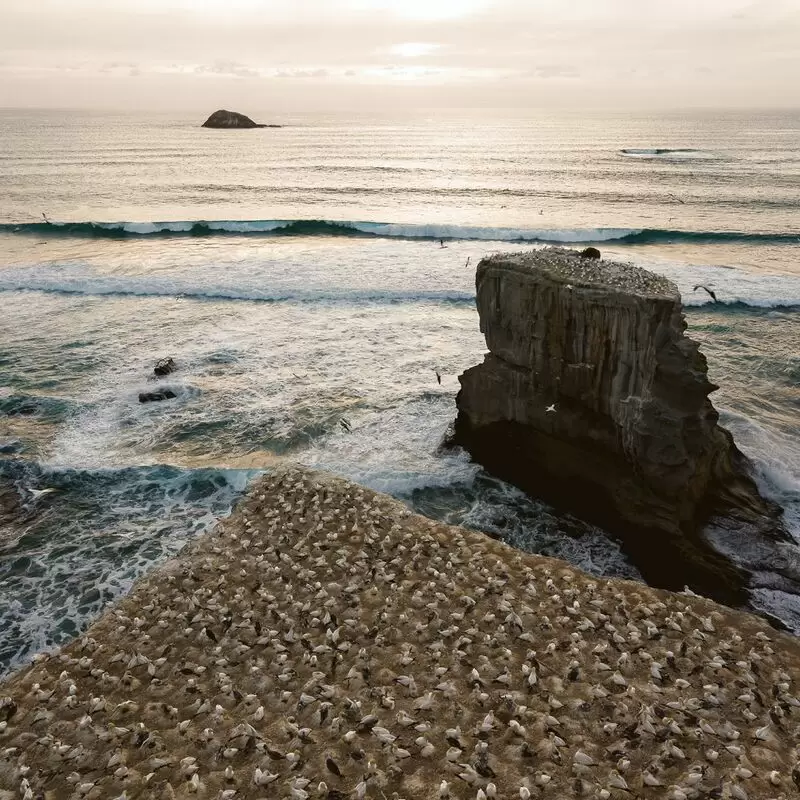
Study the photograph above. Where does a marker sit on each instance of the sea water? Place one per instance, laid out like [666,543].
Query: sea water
[310,281]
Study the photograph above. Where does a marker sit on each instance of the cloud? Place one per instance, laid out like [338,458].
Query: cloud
[227,68]
[413,49]
[609,51]
[548,71]
[302,73]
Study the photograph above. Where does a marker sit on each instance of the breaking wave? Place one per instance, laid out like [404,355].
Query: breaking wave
[88,285]
[318,227]
[732,287]
[70,553]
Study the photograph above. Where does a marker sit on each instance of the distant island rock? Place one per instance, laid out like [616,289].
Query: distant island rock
[232,119]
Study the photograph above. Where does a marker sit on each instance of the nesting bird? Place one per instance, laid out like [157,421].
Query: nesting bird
[325,642]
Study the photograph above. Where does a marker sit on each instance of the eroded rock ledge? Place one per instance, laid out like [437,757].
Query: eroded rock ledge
[593,398]
[326,643]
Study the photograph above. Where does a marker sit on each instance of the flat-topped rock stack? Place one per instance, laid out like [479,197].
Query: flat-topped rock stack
[593,398]
[325,642]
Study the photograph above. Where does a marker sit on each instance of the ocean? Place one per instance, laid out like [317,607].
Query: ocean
[309,282]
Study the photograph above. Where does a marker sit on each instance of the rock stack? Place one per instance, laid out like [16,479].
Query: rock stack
[594,399]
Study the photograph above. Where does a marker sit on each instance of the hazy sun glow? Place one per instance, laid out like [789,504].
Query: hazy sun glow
[427,10]
[413,49]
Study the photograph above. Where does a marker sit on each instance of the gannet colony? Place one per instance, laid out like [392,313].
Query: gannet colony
[324,642]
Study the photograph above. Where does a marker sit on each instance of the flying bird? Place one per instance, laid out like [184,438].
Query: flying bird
[36,494]
[438,376]
[700,286]
[674,197]
[467,264]
[345,425]
[550,408]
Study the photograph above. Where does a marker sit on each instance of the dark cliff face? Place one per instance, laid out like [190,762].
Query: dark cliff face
[230,119]
[593,398]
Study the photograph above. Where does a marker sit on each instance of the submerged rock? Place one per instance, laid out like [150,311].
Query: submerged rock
[164,366]
[155,397]
[232,119]
[592,398]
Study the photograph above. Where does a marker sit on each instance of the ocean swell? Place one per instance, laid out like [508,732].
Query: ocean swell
[88,285]
[317,227]
[665,152]
[734,290]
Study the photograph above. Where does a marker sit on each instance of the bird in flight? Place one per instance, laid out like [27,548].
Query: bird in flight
[713,295]
[550,408]
[36,494]
[438,376]
[682,202]
[345,425]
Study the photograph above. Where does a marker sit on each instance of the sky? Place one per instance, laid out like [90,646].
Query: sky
[328,55]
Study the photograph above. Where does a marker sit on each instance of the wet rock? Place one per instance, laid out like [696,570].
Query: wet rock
[164,367]
[593,399]
[590,252]
[11,508]
[154,397]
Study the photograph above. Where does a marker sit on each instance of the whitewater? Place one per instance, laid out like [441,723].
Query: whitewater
[324,272]
[311,227]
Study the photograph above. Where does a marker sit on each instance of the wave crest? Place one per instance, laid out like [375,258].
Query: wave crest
[180,288]
[318,227]
[666,153]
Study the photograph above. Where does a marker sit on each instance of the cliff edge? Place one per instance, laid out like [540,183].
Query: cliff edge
[324,642]
[594,399]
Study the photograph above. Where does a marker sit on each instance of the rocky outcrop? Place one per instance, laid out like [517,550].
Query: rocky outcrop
[164,366]
[156,397]
[592,398]
[232,119]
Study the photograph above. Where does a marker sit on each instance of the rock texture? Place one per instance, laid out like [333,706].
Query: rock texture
[592,398]
[232,119]
[325,643]
[156,397]
[164,366]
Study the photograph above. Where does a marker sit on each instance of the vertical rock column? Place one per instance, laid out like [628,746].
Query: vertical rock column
[593,398]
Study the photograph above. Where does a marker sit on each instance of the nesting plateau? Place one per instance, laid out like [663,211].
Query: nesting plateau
[324,642]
